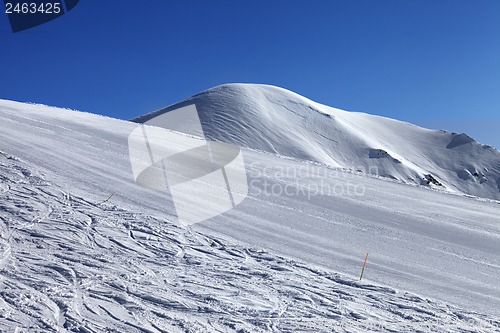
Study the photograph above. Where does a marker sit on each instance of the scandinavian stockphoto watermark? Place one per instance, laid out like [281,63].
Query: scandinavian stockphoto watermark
[307,180]
[205,178]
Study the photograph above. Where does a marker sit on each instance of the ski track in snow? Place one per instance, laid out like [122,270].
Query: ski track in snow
[73,265]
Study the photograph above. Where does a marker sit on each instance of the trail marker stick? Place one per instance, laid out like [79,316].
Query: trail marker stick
[107,198]
[364,265]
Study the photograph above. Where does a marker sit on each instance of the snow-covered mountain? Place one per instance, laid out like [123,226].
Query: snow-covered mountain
[84,249]
[276,120]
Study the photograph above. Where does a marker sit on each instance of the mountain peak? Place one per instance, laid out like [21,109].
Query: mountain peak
[277,120]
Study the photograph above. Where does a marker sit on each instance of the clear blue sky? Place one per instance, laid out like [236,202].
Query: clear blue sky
[435,63]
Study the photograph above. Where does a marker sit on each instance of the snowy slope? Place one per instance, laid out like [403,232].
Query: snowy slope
[276,120]
[287,262]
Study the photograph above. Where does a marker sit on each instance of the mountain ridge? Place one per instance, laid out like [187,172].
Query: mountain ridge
[280,121]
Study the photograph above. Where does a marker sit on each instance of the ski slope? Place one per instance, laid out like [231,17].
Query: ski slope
[282,262]
[277,120]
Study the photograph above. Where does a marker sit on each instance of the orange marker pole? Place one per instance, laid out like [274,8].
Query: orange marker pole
[364,265]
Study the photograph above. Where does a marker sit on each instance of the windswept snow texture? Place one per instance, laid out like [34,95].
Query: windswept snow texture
[282,262]
[276,120]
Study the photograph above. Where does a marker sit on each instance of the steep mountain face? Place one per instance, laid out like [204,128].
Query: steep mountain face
[276,120]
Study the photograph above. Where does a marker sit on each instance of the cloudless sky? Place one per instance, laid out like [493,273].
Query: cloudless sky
[434,63]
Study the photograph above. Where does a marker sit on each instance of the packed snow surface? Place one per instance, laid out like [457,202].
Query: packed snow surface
[84,249]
